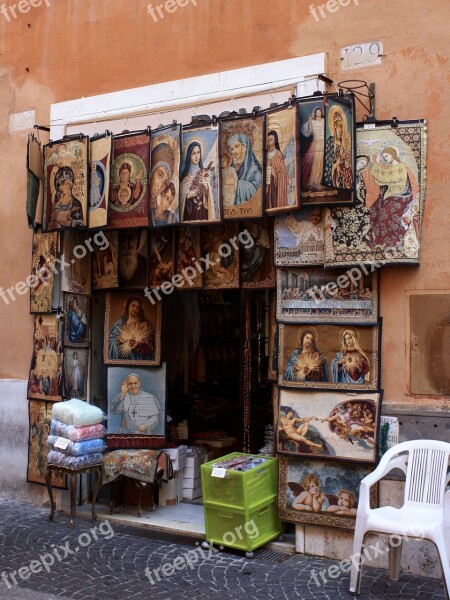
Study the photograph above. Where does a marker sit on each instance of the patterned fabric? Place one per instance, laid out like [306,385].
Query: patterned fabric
[77,434]
[142,465]
[73,462]
[77,448]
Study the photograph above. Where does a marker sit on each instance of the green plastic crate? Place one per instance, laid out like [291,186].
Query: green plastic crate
[240,528]
[241,489]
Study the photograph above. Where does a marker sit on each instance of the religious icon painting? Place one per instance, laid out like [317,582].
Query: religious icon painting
[132,330]
[339,161]
[312,134]
[40,417]
[242,143]
[199,176]
[189,252]
[42,278]
[136,408]
[282,191]
[321,492]
[47,364]
[77,248]
[128,206]
[105,262]
[333,425]
[384,227]
[77,321]
[133,259]
[329,356]
[65,183]
[165,176]
[99,180]
[299,238]
[315,295]
[35,175]
[256,254]
[162,257]
[220,249]
[76,369]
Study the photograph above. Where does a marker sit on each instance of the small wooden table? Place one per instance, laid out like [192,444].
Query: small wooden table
[72,474]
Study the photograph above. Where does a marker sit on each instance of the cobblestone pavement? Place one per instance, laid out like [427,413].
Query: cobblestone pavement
[114,567]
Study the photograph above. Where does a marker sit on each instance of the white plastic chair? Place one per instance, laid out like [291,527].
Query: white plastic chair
[425,512]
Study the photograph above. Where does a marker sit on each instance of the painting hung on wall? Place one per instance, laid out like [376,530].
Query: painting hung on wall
[77,322]
[162,256]
[137,407]
[223,268]
[242,176]
[329,424]
[132,330]
[65,184]
[199,176]
[77,249]
[105,263]
[128,206]
[164,176]
[299,238]
[189,252]
[46,372]
[339,162]
[312,295]
[312,128]
[133,259]
[321,492]
[328,356]
[385,224]
[45,247]
[99,180]
[282,161]
[256,259]
[40,416]
[76,367]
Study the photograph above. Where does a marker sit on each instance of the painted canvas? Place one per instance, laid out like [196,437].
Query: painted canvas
[328,356]
[47,364]
[189,252]
[339,160]
[100,152]
[162,256]
[133,259]
[165,176]
[105,263]
[321,492]
[199,176]
[76,367]
[384,227]
[314,295]
[222,267]
[42,278]
[256,254]
[77,322]
[65,184]
[129,196]
[282,191]
[242,178]
[76,261]
[329,424]
[299,238]
[132,330]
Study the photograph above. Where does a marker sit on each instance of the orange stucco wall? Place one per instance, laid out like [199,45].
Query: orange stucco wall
[76,48]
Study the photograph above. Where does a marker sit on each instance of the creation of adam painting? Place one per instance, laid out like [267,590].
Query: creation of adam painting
[311,295]
[65,184]
[164,176]
[40,416]
[47,364]
[132,330]
[45,247]
[99,180]
[299,238]
[385,224]
[321,492]
[329,424]
[242,142]
[328,356]
[128,206]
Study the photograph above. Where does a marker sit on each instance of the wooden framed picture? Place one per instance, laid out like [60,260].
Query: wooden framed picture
[256,254]
[321,492]
[339,162]
[299,238]
[162,256]
[137,407]
[222,255]
[189,252]
[99,180]
[282,185]
[76,368]
[315,295]
[47,364]
[132,330]
[77,322]
[329,356]
[133,259]
[105,263]
[42,278]
[331,424]
[65,184]
[384,227]
[76,260]
[40,416]
[242,142]
[200,176]
[312,134]
[164,176]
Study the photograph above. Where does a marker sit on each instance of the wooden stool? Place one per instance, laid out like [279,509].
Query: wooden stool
[141,486]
